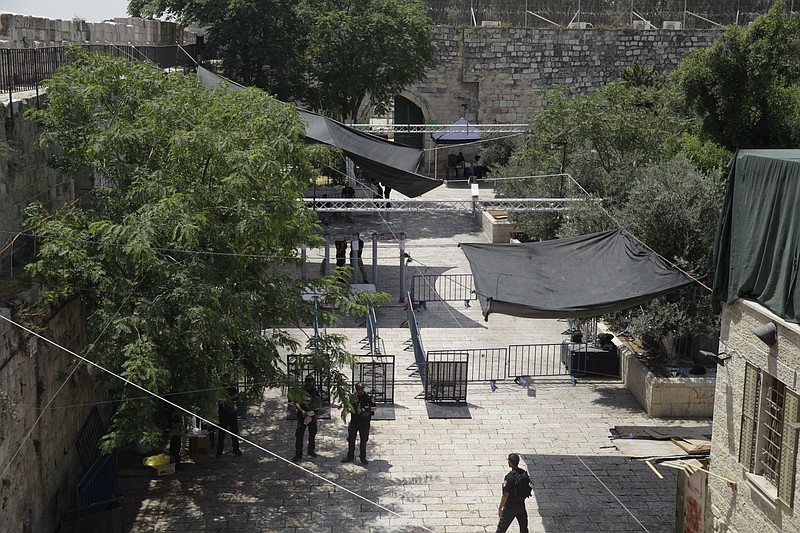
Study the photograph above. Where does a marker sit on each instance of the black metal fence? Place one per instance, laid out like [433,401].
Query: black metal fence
[485,364]
[23,69]
[443,288]
[694,14]
[536,360]
[376,372]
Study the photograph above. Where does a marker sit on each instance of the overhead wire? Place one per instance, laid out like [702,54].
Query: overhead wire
[206,422]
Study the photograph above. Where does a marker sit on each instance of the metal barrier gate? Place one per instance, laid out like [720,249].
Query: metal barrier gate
[537,360]
[376,372]
[484,364]
[446,381]
[443,288]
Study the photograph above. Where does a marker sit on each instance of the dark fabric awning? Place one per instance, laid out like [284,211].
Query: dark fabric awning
[457,133]
[577,277]
[390,163]
[757,249]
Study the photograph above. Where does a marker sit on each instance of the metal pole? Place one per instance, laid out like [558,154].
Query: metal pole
[326,265]
[354,257]
[402,239]
[375,258]
[526,13]
[303,266]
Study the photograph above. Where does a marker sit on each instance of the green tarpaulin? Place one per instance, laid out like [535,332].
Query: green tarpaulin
[757,250]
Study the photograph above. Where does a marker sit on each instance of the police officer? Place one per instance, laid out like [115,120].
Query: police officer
[227,416]
[307,414]
[362,408]
[511,505]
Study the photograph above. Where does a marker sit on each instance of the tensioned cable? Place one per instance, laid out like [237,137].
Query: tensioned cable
[212,424]
[63,384]
[612,493]
[481,141]
[637,239]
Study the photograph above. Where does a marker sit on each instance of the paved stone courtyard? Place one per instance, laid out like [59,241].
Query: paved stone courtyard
[426,474]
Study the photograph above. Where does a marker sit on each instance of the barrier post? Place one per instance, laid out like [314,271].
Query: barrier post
[303,264]
[327,264]
[402,239]
[354,257]
[375,258]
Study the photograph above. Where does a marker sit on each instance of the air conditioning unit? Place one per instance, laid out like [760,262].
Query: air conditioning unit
[490,23]
[672,25]
[580,26]
[641,25]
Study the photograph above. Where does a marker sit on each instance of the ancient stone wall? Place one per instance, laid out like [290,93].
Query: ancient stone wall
[40,465]
[495,71]
[24,31]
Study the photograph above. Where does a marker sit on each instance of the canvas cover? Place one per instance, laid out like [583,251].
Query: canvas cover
[576,277]
[757,248]
[456,133]
[390,163]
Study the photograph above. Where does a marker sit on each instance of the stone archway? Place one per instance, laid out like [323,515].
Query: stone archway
[408,112]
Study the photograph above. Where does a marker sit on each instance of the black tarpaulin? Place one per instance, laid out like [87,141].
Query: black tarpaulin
[577,277]
[757,249]
[390,163]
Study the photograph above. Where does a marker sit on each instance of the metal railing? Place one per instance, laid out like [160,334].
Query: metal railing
[344,205]
[416,338]
[536,360]
[484,364]
[692,14]
[376,372]
[443,288]
[24,69]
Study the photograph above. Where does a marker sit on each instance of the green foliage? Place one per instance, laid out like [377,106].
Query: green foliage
[329,54]
[179,258]
[638,75]
[745,87]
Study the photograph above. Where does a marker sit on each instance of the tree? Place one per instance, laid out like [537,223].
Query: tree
[180,257]
[329,54]
[745,86]
[360,48]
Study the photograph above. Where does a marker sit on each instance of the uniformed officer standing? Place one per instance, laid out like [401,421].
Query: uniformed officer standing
[363,407]
[307,414]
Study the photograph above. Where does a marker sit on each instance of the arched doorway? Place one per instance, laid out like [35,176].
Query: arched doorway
[407,112]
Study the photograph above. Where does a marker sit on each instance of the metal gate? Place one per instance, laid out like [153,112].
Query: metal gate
[443,288]
[537,360]
[485,364]
[376,372]
[446,381]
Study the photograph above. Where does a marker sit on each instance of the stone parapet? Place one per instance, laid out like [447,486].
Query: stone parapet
[25,31]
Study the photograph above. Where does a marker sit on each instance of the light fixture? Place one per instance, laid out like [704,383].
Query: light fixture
[768,333]
[718,358]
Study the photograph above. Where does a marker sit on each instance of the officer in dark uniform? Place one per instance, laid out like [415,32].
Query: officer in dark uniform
[307,414]
[511,506]
[362,408]
[227,416]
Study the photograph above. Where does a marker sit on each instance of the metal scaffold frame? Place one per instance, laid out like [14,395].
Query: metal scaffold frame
[336,205]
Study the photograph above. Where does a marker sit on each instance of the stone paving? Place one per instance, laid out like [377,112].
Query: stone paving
[426,474]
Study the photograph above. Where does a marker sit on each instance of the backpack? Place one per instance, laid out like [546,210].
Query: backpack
[521,487]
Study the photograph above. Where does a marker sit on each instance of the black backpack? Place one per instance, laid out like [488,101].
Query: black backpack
[521,487]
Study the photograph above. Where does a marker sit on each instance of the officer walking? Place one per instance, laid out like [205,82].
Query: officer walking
[512,504]
[362,408]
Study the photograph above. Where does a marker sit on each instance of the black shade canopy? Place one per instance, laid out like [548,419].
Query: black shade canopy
[390,163]
[577,277]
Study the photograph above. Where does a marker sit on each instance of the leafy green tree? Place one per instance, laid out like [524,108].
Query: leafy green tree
[360,48]
[329,54]
[182,255]
[745,86]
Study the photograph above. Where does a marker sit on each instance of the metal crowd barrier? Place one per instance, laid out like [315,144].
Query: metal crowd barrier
[484,364]
[443,288]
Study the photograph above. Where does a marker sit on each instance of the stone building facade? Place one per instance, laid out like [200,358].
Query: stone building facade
[752,504]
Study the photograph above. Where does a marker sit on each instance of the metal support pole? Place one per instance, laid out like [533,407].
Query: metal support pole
[354,257]
[303,265]
[326,264]
[375,258]
[402,239]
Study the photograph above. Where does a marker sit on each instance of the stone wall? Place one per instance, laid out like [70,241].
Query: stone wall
[495,71]
[40,453]
[747,506]
[24,31]
[24,178]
